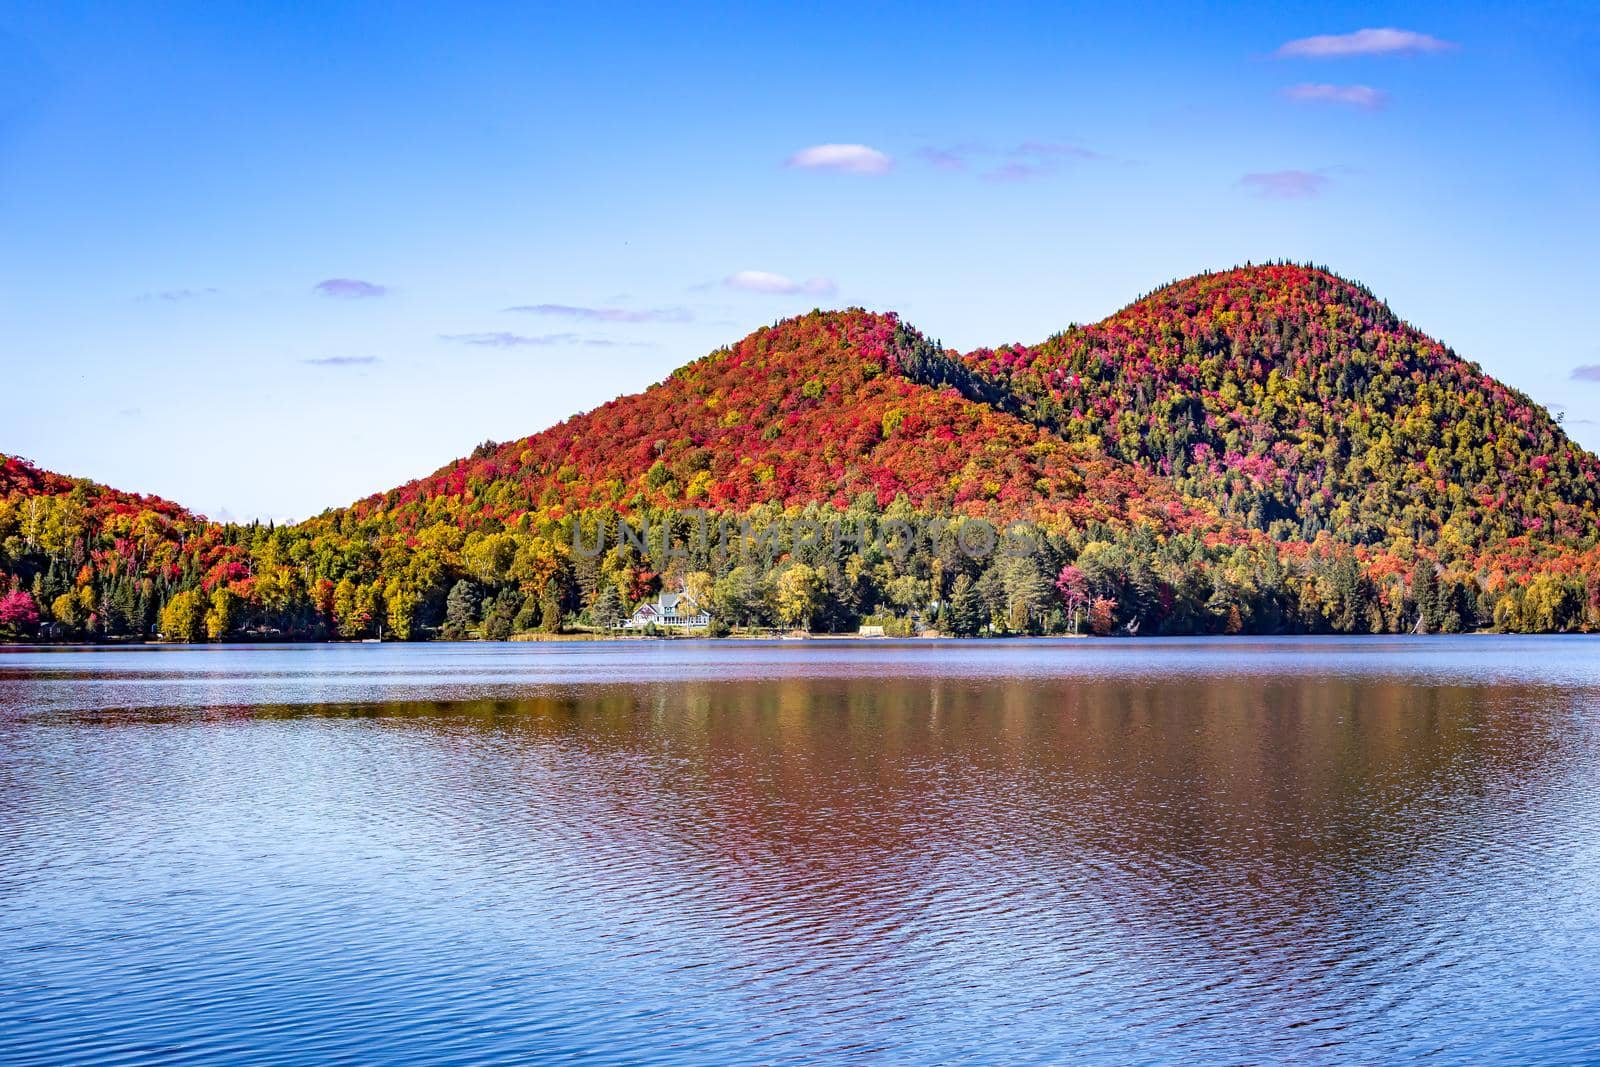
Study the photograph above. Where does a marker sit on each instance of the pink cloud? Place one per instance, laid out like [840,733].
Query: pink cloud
[349,288]
[175,295]
[503,339]
[944,158]
[1055,150]
[844,158]
[1286,184]
[1030,159]
[1384,42]
[1036,159]
[1016,172]
[598,314]
[1362,96]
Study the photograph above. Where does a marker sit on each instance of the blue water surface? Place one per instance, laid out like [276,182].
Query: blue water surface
[1180,851]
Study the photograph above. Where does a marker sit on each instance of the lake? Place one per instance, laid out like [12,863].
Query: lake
[1326,850]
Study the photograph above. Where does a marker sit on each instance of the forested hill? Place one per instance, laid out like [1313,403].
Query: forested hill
[1266,449]
[74,550]
[1300,403]
[829,408]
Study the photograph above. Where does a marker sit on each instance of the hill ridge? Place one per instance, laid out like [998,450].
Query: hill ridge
[1263,448]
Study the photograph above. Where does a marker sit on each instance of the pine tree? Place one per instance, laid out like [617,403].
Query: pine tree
[968,614]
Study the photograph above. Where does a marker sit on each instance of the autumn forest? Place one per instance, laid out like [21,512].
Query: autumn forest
[1267,449]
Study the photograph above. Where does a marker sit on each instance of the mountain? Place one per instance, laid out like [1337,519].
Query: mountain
[1262,449]
[1300,403]
[826,407]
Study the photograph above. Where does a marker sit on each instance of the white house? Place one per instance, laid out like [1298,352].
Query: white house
[668,609]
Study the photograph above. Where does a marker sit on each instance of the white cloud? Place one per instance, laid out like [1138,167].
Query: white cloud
[845,158]
[1362,96]
[761,281]
[1384,42]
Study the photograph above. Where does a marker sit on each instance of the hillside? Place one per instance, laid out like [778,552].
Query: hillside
[1265,449]
[821,408]
[78,521]
[92,555]
[1299,403]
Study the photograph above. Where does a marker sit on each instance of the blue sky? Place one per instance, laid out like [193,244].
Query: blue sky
[178,181]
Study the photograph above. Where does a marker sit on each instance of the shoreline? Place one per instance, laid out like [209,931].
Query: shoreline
[763,638]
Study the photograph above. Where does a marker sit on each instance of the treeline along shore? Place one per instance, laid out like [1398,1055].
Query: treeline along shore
[1262,450]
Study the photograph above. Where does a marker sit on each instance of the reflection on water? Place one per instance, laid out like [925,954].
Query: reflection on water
[1201,850]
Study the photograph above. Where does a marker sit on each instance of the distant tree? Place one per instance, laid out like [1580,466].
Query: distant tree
[222,613]
[907,593]
[1073,586]
[18,613]
[1103,615]
[1027,593]
[500,617]
[549,614]
[968,615]
[528,616]
[741,596]
[400,601]
[607,611]
[700,586]
[1549,605]
[799,595]
[184,617]
[350,620]
[461,609]
[991,589]
[66,612]
[1425,592]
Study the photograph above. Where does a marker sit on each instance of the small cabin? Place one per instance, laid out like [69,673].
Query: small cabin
[676,610]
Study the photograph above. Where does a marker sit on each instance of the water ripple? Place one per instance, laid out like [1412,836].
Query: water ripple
[1112,852]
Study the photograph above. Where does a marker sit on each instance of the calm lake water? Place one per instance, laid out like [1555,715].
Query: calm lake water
[1159,851]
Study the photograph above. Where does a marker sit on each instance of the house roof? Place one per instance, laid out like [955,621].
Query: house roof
[683,602]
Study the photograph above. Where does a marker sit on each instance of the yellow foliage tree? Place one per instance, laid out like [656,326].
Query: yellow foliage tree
[184,617]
